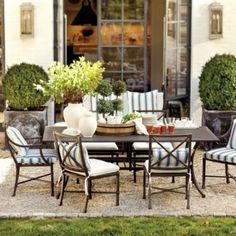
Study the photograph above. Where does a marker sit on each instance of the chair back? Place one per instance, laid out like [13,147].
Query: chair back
[232,137]
[163,158]
[72,154]
[16,141]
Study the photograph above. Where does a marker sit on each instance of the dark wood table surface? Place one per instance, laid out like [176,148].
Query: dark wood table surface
[201,134]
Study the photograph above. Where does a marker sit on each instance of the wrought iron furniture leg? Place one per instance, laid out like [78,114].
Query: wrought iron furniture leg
[203,173]
[194,180]
[227,173]
[52,180]
[16,180]
[144,183]
[118,189]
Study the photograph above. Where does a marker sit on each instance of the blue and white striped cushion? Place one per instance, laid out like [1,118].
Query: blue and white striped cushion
[221,154]
[15,135]
[75,157]
[232,138]
[182,155]
[33,156]
[143,101]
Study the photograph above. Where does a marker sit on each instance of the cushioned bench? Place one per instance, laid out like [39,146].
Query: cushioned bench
[132,101]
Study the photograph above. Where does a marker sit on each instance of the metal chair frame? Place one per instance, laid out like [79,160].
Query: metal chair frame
[19,165]
[79,171]
[182,140]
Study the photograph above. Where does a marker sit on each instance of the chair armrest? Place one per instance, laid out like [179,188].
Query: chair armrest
[224,137]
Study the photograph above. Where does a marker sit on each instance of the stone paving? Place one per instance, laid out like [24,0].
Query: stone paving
[33,199]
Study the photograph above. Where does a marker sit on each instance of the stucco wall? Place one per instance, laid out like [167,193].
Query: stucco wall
[38,49]
[203,48]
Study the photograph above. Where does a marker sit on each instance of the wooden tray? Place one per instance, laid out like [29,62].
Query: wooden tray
[115,129]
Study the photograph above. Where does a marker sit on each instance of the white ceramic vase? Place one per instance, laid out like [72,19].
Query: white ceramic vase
[73,113]
[88,124]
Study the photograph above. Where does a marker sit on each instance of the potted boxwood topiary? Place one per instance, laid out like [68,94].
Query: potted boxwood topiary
[104,106]
[25,108]
[118,88]
[217,88]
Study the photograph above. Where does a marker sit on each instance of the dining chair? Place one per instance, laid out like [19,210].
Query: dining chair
[29,155]
[74,161]
[168,162]
[224,155]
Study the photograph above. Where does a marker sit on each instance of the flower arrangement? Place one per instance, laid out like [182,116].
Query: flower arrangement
[69,83]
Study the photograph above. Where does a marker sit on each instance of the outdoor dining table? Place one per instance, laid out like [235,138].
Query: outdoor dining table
[199,135]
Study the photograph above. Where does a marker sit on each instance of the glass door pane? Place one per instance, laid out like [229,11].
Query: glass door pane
[123,41]
[111,10]
[133,9]
[177,53]
[111,33]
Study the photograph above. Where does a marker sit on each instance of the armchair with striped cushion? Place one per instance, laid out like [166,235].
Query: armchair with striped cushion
[29,155]
[225,155]
[168,162]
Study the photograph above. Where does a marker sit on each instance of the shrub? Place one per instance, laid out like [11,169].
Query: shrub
[69,83]
[104,88]
[117,105]
[105,107]
[19,89]
[119,87]
[217,86]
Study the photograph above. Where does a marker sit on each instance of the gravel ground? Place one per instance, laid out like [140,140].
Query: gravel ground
[33,199]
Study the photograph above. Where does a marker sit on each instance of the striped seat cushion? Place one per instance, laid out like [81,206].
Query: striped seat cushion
[227,155]
[161,171]
[15,135]
[75,158]
[33,156]
[182,156]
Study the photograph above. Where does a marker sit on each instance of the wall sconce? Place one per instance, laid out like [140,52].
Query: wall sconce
[27,19]
[215,20]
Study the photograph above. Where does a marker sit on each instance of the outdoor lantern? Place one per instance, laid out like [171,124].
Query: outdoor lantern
[27,19]
[215,20]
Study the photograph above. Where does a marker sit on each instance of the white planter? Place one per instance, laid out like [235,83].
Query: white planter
[73,113]
[88,124]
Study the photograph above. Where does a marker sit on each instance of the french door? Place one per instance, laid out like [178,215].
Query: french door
[177,50]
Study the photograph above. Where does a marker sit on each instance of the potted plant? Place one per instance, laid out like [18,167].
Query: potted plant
[104,106]
[217,88]
[118,88]
[110,106]
[25,104]
[70,83]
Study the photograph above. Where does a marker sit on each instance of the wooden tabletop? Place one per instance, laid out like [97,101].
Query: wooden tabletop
[201,134]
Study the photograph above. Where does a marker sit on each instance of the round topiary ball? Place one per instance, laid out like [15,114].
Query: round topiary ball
[104,88]
[19,86]
[217,85]
[119,87]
